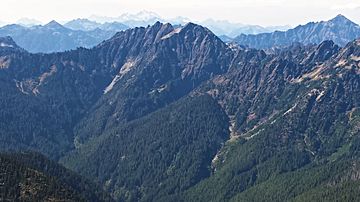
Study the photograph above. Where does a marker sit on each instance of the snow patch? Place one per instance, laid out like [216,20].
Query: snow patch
[6,45]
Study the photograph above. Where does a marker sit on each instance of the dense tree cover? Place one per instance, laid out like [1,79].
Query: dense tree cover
[32,177]
[154,136]
[156,156]
[293,152]
[328,181]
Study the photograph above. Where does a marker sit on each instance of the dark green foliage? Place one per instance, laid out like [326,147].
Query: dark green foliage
[31,177]
[324,182]
[159,155]
[293,152]
[160,131]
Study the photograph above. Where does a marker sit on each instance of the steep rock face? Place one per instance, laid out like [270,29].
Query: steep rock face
[40,101]
[340,30]
[124,78]
[311,126]
[258,85]
[156,66]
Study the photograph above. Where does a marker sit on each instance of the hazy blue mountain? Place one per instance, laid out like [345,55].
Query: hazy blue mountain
[219,27]
[88,25]
[224,27]
[113,26]
[53,37]
[340,30]
[82,24]
[226,38]
[28,22]
[140,19]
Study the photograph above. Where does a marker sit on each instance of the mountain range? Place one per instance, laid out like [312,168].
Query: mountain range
[172,113]
[339,29]
[87,25]
[28,32]
[53,37]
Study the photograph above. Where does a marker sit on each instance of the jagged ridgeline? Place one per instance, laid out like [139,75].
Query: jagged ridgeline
[172,113]
[339,29]
[54,37]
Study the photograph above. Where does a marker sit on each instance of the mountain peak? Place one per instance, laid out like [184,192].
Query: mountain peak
[192,26]
[341,19]
[54,25]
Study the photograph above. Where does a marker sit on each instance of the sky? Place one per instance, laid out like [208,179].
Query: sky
[260,12]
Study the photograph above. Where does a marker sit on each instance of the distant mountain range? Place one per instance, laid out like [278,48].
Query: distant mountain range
[53,37]
[88,25]
[219,27]
[339,29]
[223,27]
[28,22]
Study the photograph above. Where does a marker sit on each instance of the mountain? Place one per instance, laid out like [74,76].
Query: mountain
[339,29]
[140,19]
[32,177]
[87,25]
[27,22]
[113,26]
[305,152]
[274,106]
[135,81]
[172,113]
[224,27]
[152,159]
[53,37]
[219,27]
[226,39]
[82,24]
[177,60]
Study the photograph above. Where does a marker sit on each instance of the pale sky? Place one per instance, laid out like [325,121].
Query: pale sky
[261,12]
